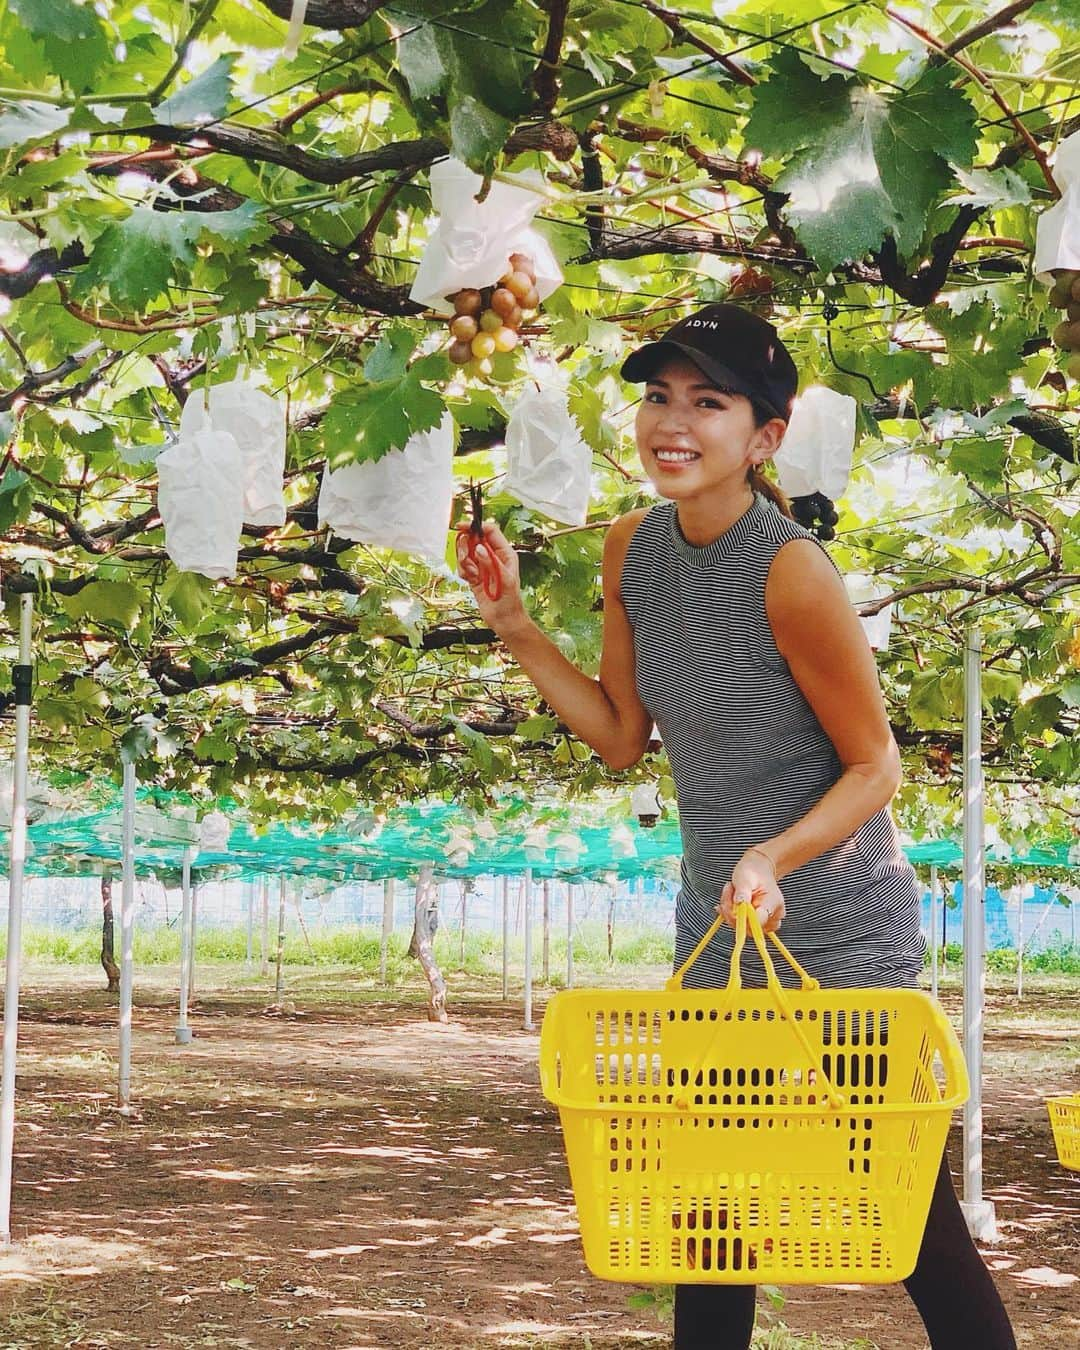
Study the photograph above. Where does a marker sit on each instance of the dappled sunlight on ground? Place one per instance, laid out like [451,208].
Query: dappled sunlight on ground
[43,1255]
[356,1177]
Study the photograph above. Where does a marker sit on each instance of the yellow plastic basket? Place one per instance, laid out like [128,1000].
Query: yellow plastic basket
[745,1136]
[1065,1122]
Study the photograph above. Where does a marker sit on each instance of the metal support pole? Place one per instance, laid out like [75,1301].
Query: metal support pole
[569,935]
[264,931]
[546,920]
[1020,944]
[387,924]
[193,934]
[526,906]
[127,934]
[505,937]
[22,679]
[933,930]
[978,1212]
[250,887]
[183,1031]
[279,987]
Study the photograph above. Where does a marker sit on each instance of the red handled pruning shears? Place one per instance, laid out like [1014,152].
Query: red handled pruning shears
[490,576]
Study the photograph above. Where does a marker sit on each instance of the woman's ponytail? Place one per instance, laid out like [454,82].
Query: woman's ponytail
[769,490]
[814,512]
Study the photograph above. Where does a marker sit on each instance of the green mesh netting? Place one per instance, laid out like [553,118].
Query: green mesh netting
[77,831]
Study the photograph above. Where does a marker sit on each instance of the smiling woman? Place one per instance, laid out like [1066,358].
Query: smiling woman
[727,626]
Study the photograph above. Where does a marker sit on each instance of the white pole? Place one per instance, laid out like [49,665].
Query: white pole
[264,931]
[22,678]
[183,1030]
[978,1212]
[505,937]
[250,888]
[279,987]
[387,924]
[1020,945]
[933,930]
[569,935]
[127,934]
[546,922]
[526,883]
[193,937]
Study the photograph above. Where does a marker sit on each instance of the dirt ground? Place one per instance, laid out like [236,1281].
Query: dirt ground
[345,1174]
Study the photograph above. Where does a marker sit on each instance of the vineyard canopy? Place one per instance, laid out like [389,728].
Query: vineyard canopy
[184,201]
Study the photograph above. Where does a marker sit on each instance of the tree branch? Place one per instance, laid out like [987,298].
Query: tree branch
[681,33]
[545,78]
[320,263]
[35,380]
[922,287]
[175,679]
[40,266]
[336,14]
[982,29]
[267,147]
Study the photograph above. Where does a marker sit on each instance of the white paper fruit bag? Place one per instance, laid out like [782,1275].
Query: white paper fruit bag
[1057,234]
[256,421]
[815,454]
[473,240]
[862,589]
[401,501]
[201,502]
[549,465]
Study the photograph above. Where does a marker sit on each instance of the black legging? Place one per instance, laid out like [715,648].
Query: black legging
[950,1286]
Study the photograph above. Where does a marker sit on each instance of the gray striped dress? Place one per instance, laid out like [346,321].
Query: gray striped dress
[750,758]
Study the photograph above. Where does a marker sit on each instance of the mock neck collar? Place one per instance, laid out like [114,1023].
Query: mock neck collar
[736,534]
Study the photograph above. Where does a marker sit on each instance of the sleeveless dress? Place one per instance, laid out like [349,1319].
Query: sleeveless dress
[750,758]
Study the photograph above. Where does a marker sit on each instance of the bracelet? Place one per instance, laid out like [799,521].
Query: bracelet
[764,855]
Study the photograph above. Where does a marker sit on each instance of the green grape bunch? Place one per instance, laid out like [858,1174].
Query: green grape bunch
[489,320]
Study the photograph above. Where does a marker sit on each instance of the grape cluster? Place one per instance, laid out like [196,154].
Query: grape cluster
[1065,294]
[489,320]
[816,512]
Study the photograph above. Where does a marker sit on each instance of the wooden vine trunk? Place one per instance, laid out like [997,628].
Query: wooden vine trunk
[425,926]
[108,957]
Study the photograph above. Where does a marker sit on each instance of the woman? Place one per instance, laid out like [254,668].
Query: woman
[727,624]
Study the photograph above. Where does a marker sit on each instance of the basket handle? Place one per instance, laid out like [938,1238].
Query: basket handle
[746,918]
[674,983]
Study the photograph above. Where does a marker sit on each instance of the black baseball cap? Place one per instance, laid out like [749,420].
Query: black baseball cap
[736,348]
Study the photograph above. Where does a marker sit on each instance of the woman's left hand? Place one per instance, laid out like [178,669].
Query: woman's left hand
[754,881]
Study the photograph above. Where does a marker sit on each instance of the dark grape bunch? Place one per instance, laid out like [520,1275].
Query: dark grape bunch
[815,512]
[1065,294]
[489,320]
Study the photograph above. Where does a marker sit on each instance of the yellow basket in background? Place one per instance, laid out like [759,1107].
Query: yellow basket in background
[741,1136]
[1065,1122]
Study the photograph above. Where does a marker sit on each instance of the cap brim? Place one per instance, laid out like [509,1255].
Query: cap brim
[641,365]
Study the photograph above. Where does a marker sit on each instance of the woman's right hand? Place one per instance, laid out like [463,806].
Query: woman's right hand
[494,552]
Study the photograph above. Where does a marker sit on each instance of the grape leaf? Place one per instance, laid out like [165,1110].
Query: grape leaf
[477,133]
[202,99]
[135,257]
[244,224]
[983,352]
[188,595]
[390,354]
[484,97]
[859,165]
[116,604]
[28,121]
[366,422]
[71,35]
[14,498]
